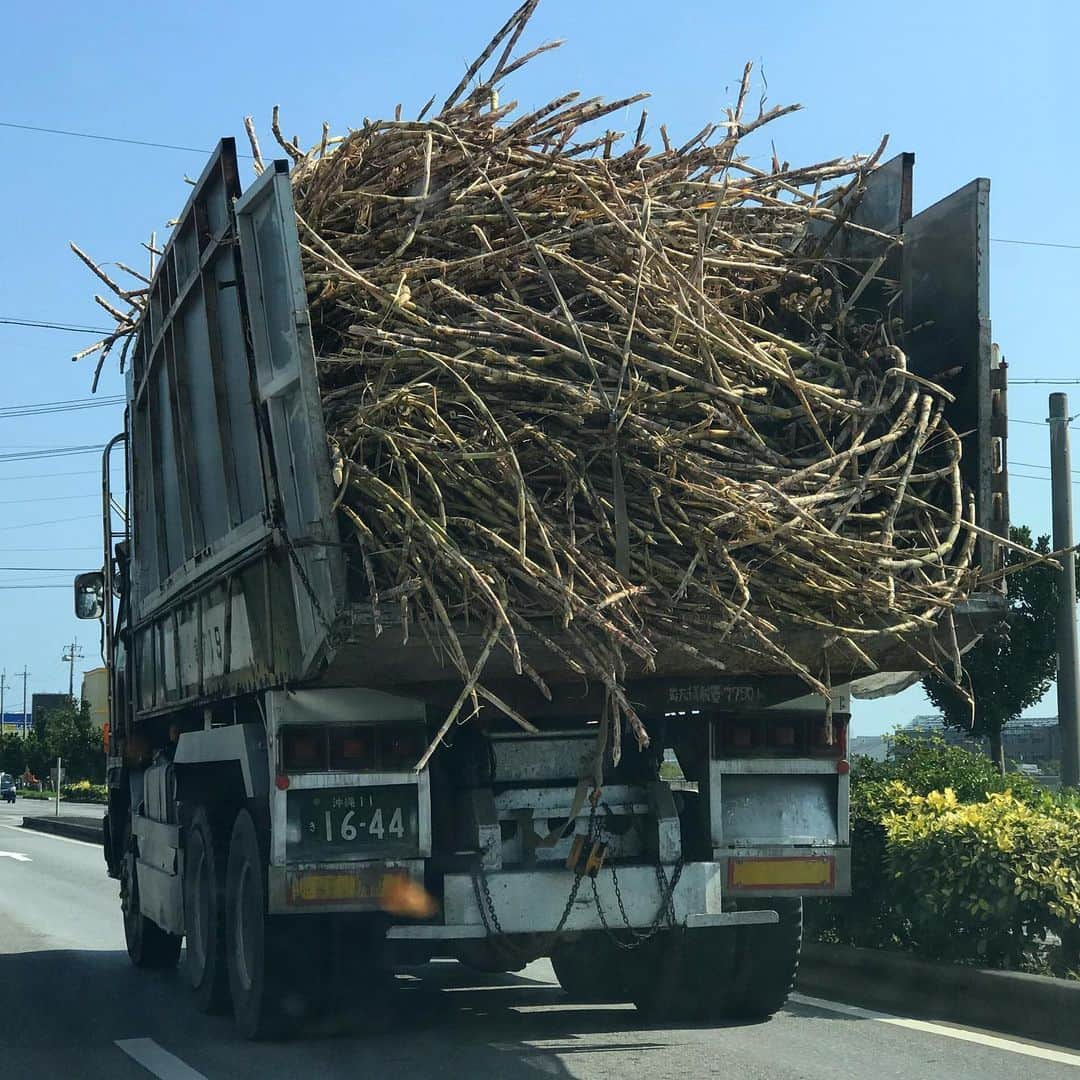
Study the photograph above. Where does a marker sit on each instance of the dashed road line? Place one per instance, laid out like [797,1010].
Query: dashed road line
[157,1060]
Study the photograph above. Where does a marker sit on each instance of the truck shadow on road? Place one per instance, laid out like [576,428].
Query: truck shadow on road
[440,1016]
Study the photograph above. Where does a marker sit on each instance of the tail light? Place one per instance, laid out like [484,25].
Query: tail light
[303,749]
[351,748]
[740,735]
[789,734]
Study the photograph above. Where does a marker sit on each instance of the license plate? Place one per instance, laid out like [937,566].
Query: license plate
[336,822]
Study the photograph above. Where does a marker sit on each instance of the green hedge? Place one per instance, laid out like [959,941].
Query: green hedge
[955,862]
[82,791]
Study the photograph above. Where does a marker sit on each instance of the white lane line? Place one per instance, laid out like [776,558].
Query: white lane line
[996,1042]
[158,1060]
[51,836]
[18,856]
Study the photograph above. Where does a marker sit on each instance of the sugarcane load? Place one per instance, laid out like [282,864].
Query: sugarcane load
[476,461]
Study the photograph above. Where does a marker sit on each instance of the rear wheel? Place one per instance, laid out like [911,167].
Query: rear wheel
[720,973]
[204,915]
[766,962]
[591,968]
[664,977]
[267,998]
[148,945]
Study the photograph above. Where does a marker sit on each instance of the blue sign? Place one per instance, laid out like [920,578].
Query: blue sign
[17,722]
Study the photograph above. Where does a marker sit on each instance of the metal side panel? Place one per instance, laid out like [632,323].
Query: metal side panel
[287,387]
[198,491]
[946,287]
[245,744]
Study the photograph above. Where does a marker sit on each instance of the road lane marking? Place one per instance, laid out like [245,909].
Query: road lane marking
[996,1042]
[51,836]
[157,1060]
[18,856]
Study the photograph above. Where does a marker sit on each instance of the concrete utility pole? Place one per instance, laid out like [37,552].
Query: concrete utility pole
[3,687]
[25,675]
[1068,668]
[74,652]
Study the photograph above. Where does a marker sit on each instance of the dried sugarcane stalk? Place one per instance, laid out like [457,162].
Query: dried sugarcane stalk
[536,352]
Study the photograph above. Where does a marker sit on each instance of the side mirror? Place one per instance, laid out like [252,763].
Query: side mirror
[90,595]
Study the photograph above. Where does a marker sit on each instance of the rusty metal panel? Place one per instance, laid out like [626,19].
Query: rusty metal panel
[946,288]
[288,392]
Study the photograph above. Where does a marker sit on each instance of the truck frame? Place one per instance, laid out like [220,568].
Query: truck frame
[265,722]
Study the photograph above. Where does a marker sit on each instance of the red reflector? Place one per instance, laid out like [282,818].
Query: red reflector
[843,768]
[282,782]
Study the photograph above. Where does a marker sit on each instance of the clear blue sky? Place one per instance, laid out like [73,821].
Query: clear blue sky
[974,89]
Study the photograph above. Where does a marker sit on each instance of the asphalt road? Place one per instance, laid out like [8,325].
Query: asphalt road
[72,1006]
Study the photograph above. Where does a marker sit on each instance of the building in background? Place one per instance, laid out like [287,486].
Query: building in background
[1028,741]
[95,692]
[43,703]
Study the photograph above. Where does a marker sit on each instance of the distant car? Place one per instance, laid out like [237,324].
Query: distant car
[7,787]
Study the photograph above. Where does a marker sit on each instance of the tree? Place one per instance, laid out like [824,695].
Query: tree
[1012,666]
[67,732]
[12,754]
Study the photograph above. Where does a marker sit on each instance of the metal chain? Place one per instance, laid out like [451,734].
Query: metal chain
[306,581]
[665,913]
[486,904]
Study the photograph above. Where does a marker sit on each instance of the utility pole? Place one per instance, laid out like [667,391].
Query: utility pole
[73,653]
[1068,668]
[25,675]
[3,687]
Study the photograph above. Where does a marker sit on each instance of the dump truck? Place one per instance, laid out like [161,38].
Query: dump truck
[264,803]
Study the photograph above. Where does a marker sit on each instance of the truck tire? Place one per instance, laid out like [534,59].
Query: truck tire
[666,981]
[720,973]
[266,999]
[204,915]
[591,968]
[148,945]
[766,962]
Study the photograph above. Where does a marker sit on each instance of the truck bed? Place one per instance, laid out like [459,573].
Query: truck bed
[238,577]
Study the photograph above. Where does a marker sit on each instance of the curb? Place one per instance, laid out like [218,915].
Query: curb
[1032,1006]
[74,830]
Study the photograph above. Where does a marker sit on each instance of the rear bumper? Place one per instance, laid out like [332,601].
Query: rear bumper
[533,901]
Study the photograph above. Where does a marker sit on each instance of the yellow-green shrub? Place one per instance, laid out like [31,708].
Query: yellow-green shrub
[982,881]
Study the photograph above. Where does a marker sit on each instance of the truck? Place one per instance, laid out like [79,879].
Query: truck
[264,803]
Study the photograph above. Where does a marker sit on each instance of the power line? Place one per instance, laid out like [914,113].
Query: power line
[106,138]
[49,498]
[42,324]
[1034,243]
[55,521]
[50,475]
[85,547]
[1034,465]
[44,569]
[53,452]
[7,588]
[1044,382]
[72,405]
